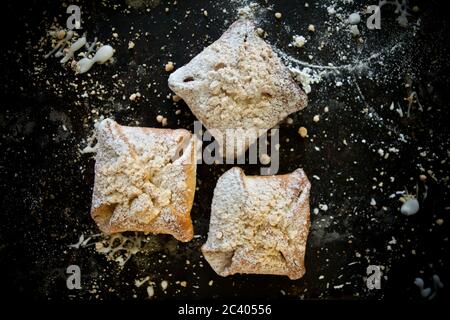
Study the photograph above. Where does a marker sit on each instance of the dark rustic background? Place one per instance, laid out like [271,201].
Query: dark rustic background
[46,183]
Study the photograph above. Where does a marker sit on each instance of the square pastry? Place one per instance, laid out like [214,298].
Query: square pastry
[259,224]
[144,180]
[238,82]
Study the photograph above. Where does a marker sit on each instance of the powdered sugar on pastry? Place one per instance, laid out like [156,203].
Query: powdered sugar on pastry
[238,82]
[259,224]
[142,183]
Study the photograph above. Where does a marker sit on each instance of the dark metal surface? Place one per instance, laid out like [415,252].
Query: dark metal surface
[46,183]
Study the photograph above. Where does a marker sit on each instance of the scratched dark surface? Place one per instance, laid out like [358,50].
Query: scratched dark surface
[46,183]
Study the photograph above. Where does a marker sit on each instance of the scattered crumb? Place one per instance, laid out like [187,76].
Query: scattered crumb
[60,34]
[316,118]
[260,32]
[264,158]
[298,41]
[169,66]
[278,15]
[134,96]
[354,30]
[150,291]
[139,283]
[303,132]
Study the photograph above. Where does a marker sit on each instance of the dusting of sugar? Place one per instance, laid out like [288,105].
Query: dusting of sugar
[263,222]
[140,184]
